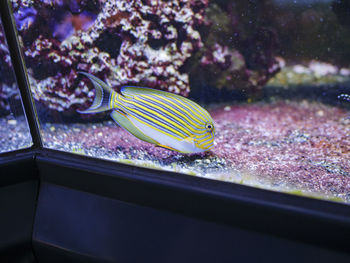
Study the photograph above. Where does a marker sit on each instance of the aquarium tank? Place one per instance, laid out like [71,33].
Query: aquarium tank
[250,92]
[14,130]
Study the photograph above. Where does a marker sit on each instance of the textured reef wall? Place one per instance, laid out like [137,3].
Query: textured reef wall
[182,46]
[7,81]
[168,45]
[122,42]
[239,50]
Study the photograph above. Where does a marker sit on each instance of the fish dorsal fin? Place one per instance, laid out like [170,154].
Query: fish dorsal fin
[121,118]
[134,91]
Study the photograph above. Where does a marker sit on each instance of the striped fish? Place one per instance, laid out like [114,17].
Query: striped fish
[158,117]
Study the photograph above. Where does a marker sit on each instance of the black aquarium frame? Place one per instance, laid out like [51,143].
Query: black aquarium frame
[224,221]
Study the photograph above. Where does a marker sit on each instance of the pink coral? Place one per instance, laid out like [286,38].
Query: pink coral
[129,42]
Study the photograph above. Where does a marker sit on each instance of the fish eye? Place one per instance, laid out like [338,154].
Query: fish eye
[209,126]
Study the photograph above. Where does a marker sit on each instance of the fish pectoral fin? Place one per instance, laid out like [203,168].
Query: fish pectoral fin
[167,147]
[189,139]
[173,149]
[121,118]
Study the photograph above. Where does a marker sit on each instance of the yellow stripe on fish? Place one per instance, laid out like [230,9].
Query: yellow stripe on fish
[160,108]
[176,105]
[154,122]
[193,110]
[177,110]
[149,116]
[162,118]
[169,121]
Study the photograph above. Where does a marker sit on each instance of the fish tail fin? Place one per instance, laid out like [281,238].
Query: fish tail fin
[103,100]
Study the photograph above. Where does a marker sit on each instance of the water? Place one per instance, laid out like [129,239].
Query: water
[270,73]
[14,131]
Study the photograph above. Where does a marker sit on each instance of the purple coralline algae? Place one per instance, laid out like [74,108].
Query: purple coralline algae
[125,43]
[25,18]
[8,87]
[167,45]
[303,145]
[283,145]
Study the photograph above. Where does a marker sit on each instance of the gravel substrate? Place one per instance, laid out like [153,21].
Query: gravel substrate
[302,148]
[14,134]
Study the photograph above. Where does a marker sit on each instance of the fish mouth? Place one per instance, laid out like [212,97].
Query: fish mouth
[206,143]
[199,147]
[206,148]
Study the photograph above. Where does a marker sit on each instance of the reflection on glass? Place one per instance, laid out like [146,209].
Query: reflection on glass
[272,75]
[14,130]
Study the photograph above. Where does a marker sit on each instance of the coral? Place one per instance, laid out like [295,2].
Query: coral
[314,73]
[171,45]
[312,31]
[25,18]
[235,55]
[8,88]
[18,4]
[121,42]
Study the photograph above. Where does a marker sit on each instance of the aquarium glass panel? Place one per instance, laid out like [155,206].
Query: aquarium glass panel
[14,130]
[247,92]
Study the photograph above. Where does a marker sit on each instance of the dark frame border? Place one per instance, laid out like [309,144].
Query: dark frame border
[20,72]
[19,173]
[318,222]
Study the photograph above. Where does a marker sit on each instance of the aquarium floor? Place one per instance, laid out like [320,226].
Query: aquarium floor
[301,148]
[14,134]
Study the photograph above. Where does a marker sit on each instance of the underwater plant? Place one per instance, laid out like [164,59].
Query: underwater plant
[161,118]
